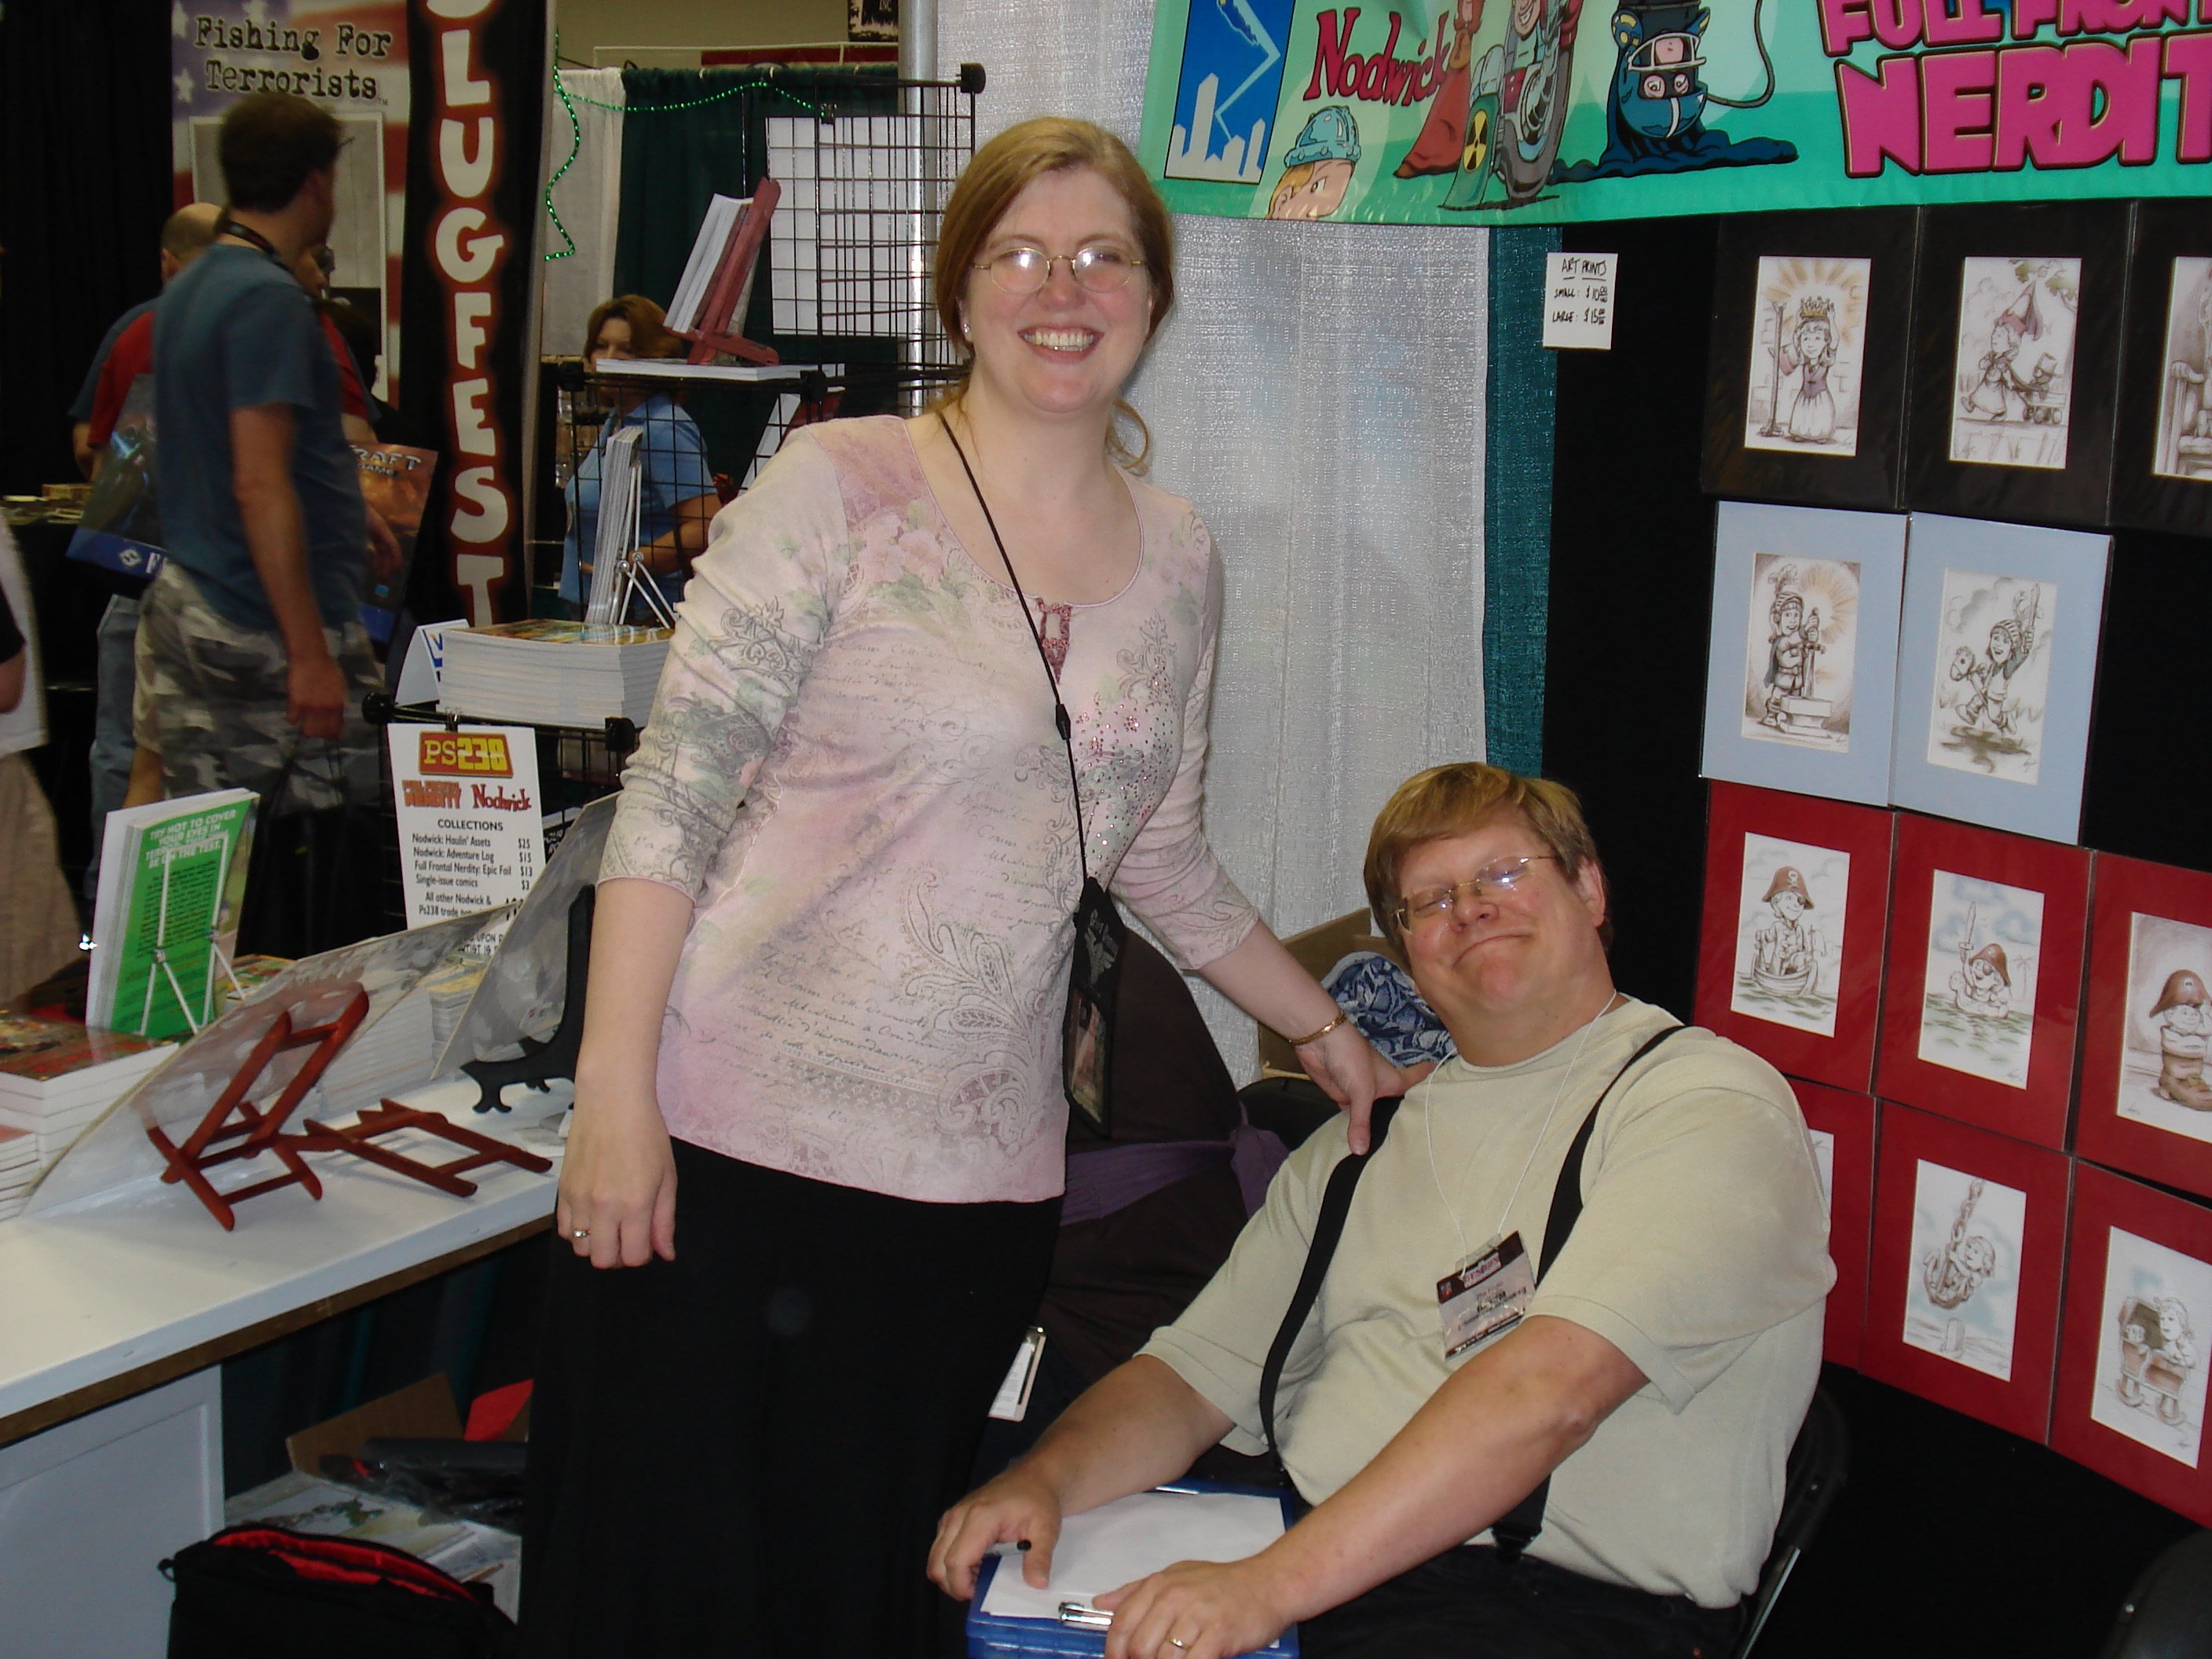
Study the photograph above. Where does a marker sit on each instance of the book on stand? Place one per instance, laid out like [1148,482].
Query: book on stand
[165,921]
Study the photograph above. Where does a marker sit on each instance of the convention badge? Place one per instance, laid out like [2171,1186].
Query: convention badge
[1487,1295]
[1087,1029]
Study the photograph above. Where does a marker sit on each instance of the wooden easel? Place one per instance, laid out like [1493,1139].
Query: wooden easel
[390,1117]
[717,325]
[252,1130]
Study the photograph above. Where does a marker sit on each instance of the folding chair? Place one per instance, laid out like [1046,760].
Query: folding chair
[1819,1464]
[2168,1613]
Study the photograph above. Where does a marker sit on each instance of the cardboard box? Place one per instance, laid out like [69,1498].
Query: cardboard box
[421,1411]
[1317,949]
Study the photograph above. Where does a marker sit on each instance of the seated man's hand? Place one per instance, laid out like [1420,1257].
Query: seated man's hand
[1196,1610]
[1017,1505]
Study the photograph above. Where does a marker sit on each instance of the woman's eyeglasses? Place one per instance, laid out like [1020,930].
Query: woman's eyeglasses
[1023,269]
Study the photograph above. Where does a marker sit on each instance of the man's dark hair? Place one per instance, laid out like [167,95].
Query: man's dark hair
[270,142]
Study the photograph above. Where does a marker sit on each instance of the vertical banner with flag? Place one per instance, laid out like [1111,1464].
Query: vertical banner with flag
[473,143]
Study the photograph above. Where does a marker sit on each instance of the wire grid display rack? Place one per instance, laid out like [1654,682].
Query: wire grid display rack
[847,301]
[852,242]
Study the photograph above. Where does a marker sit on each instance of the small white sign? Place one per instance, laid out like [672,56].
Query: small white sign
[426,663]
[471,824]
[1579,300]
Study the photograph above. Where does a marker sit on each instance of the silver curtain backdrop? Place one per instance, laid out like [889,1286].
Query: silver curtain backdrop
[1321,393]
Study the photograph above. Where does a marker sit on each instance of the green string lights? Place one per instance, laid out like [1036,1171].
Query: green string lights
[569,101]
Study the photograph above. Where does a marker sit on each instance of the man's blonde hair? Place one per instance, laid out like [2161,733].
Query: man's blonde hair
[1458,799]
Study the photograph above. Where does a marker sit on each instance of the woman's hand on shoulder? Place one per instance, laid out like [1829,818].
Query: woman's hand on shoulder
[1355,1075]
[617,1206]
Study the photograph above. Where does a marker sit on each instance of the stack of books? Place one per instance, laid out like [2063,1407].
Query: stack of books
[57,1079]
[19,1168]
[551,672]
[400,1051]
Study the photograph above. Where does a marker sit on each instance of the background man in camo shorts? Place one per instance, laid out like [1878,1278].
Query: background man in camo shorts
[252,657]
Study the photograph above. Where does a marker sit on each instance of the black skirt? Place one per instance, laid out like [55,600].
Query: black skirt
[745,1451]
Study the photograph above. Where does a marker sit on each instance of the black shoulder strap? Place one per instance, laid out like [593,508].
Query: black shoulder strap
[1328,1227]
[1517,1528]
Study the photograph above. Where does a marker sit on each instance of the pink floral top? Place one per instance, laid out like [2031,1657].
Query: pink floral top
[852,770]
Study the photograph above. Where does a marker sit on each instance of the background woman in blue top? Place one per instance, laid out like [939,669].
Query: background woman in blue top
[676,488]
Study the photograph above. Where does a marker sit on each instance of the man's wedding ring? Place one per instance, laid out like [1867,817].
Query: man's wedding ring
[579,1232]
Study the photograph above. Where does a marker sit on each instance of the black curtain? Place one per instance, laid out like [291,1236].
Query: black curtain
[84,129]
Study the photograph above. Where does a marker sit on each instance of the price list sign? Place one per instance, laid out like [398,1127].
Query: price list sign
[1579,300]
[472,830]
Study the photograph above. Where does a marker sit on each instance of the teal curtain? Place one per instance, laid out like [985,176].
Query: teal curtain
[1516,546]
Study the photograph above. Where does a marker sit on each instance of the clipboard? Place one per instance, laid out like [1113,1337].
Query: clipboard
[1073,1626]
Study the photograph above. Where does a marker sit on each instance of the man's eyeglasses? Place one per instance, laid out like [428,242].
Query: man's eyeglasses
[1024,270]
[1432,904]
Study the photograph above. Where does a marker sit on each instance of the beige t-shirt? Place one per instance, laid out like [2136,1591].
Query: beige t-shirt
[1701,1253]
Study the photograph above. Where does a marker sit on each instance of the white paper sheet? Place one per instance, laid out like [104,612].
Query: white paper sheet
[1106,1547]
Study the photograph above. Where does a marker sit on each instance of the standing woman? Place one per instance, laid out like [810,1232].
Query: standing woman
[833,946]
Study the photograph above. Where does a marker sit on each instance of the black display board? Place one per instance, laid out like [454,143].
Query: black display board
[2163,439]
[1780,275]
[1999,364]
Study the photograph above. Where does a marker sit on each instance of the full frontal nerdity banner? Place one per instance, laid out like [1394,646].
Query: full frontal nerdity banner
[1498,111]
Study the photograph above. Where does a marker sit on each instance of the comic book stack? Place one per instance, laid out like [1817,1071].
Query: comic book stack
[56,1078]
[552,672]
[399,1051]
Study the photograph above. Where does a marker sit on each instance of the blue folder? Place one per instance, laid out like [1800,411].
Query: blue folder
[996,1636]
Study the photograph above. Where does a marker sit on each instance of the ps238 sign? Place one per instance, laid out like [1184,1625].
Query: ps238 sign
[469,246]
[1978,86]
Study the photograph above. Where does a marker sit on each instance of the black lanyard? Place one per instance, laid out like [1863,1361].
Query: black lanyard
[1060,715]
[230,227]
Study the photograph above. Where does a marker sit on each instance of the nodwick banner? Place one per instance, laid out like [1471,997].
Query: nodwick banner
[1498,111]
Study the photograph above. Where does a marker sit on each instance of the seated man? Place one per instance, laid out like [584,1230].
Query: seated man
[1635,1411]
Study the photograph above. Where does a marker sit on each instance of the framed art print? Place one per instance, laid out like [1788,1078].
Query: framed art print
[1962,1288]
[1980,997]
[2132,1362]
[1803,666]
[1996,665]
[1790,949]
[2146,1101]
[2162,436]
[1842,1128]
[1804,398]
[2015,360]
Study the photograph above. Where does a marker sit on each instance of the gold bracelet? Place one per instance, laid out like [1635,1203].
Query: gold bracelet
[1315,1036]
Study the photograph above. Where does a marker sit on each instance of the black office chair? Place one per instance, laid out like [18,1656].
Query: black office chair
[1820,1463]
[2168,1613]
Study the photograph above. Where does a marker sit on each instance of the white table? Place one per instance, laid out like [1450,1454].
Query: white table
[105,1301]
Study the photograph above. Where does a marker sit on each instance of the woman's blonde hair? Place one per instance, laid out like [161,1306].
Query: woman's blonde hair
[1458,799]
[648,326]
[1001,171]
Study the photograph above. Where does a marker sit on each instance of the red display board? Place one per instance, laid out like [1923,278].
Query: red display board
[1962,1293]
[1842,1139]
[1983,990]
[2146,1103]
[2132,1362]
[1797,909]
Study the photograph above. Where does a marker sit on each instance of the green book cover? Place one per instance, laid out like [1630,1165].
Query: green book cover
[184,881]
